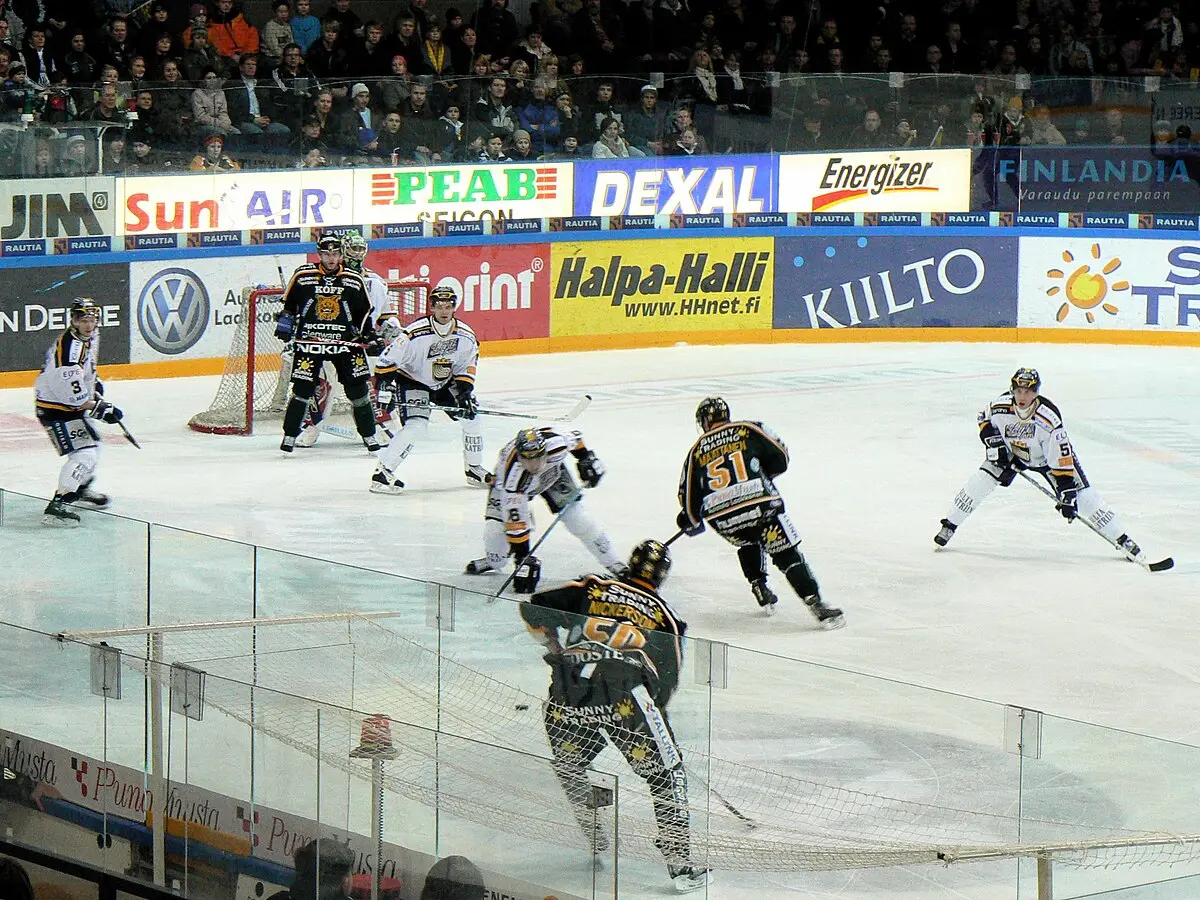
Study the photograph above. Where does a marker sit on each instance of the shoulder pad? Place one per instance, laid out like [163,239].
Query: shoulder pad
[1048,413]
[460,325]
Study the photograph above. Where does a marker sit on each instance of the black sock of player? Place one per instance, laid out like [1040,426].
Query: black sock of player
[797,572]
[296,409]
[364,417]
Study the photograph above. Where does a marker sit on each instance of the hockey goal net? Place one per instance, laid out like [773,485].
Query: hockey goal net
[257,369]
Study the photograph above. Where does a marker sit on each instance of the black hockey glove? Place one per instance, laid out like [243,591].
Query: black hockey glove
[591,470]
[464,398]
[527,575]
[106,412]
[1068,498]
[997,453]
[285,327]
[385,393]
[99,388]
[684,523]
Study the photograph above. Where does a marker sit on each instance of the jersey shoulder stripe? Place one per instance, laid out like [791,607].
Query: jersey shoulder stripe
[464,328]
[1047,410]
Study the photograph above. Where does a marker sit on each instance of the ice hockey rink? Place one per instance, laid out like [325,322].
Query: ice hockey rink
[1021,608]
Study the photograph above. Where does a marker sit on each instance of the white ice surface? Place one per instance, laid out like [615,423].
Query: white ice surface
[1021,608]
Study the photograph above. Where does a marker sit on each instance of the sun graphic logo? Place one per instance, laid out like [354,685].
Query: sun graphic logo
[1085,289]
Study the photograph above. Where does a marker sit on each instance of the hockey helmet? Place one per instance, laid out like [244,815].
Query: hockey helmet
[85,306]
[329,243]
[354,249]
[650,562]
[711,411]
[1026,378]
[443,293]
[530,444]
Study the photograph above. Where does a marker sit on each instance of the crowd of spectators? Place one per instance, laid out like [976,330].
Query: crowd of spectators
[191,85]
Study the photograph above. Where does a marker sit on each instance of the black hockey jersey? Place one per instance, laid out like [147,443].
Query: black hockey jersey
[618,635]
[728,473]
[334,307]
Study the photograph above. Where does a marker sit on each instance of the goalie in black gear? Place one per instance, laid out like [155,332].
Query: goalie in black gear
[727,481]
[614,647]
[327,317]
[1022,430]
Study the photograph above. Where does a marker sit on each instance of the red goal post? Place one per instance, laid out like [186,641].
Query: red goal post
[255,382]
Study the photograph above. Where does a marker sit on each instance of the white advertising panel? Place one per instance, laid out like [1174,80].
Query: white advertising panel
[190,308]
[876,181]
[1102,283]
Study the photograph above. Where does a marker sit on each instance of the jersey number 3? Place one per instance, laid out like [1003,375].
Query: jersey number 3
[718,470]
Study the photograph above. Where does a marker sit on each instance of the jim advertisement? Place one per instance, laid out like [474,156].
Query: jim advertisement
[1119,284]
[873,281]
[35,305]
[191,308]
[685,185]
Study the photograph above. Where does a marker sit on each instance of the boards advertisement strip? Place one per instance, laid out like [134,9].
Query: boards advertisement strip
[669,285]
[876,181]
[79,208]
[456,193]
[1118,284]
[647,187]
[893,282]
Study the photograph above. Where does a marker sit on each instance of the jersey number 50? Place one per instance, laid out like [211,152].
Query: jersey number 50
[718,473]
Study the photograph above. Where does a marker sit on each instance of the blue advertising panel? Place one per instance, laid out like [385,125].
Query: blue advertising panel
[917,281]
[675,184]
[1111,179]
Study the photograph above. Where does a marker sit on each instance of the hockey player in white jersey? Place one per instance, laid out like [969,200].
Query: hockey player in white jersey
[387,326]
[432,361]
[1023,431]
[534,464]
[69,396]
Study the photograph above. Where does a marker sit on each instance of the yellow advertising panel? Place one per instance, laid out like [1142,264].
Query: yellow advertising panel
[675,285]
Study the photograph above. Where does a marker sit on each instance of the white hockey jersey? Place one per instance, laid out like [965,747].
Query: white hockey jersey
[1039,441]
[382,304]
[432,359]
[68,377]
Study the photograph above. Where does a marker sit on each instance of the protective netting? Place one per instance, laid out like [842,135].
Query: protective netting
[258,367]
[356,666]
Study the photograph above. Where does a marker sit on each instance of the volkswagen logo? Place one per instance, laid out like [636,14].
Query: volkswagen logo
[172,311]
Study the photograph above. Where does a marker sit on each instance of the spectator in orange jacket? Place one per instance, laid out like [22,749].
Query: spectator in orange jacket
[230,33]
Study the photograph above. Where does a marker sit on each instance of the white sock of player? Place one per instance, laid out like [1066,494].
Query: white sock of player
[472,434]
[1104,518]
[977,489]
[495,543]
[401,445]
[583,526]
[78,469]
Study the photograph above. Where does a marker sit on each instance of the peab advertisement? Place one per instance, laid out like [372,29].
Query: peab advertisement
[1118,284]
[892,282]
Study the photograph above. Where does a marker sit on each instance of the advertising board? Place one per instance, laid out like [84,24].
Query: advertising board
[892,282]
[34,311]
[921,180]
[1121,284]
[454,193]
[57,208]
[631,287]
[687,185]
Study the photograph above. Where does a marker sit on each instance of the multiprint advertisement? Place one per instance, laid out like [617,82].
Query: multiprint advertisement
[877,281]
[190,308]
[879,181]
[629,287]
[1100,284]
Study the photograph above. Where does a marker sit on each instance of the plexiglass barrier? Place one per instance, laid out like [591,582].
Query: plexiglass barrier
[272,699]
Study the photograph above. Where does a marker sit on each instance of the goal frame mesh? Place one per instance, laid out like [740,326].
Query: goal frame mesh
[253,383]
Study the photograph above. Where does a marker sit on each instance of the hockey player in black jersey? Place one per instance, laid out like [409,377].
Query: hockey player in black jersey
[614,647]
[327,317]
[727,481]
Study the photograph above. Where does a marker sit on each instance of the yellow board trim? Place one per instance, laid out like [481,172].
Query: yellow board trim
[183,368]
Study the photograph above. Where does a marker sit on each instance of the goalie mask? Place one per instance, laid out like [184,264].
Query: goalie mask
[354,250]
[711,412]
[649,563]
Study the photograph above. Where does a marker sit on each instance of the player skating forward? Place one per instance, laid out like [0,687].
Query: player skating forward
[387,326]
[614,648]
[727,482]
[1022,430]
[327,317]
[534,464]
[68,396]
[432,360]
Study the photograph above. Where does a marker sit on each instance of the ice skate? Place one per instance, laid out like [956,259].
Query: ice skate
[60,515]
[1129,547]
[308,436]
[688,878]
[96,500]
[829,617]
[478,476]
[383,483]
[479,566]
[288,444]
[765,596]
[942,538]
[371,443]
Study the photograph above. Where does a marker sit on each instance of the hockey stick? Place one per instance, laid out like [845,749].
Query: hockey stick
[532,550]
[129,437]
[1160,566]
[673,538]
[737,813]
[569,416]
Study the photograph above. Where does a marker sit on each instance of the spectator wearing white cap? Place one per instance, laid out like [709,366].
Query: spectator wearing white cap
[644,125]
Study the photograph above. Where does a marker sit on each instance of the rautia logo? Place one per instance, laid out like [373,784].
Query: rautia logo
[483,184]
[1084,289]
[172,311]
[51,215]
[696,274]
[845,181]
[487,290]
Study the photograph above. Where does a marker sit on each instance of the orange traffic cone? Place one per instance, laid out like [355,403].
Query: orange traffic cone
[375,740]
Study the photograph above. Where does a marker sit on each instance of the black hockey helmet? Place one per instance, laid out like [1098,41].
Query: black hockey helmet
[85,306]
[530,444]
[711,411]
[329,243]
[649,562]
[443,293]
[1026,378]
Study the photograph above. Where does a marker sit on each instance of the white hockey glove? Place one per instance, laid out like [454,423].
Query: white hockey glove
[389,328]
[385,393]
